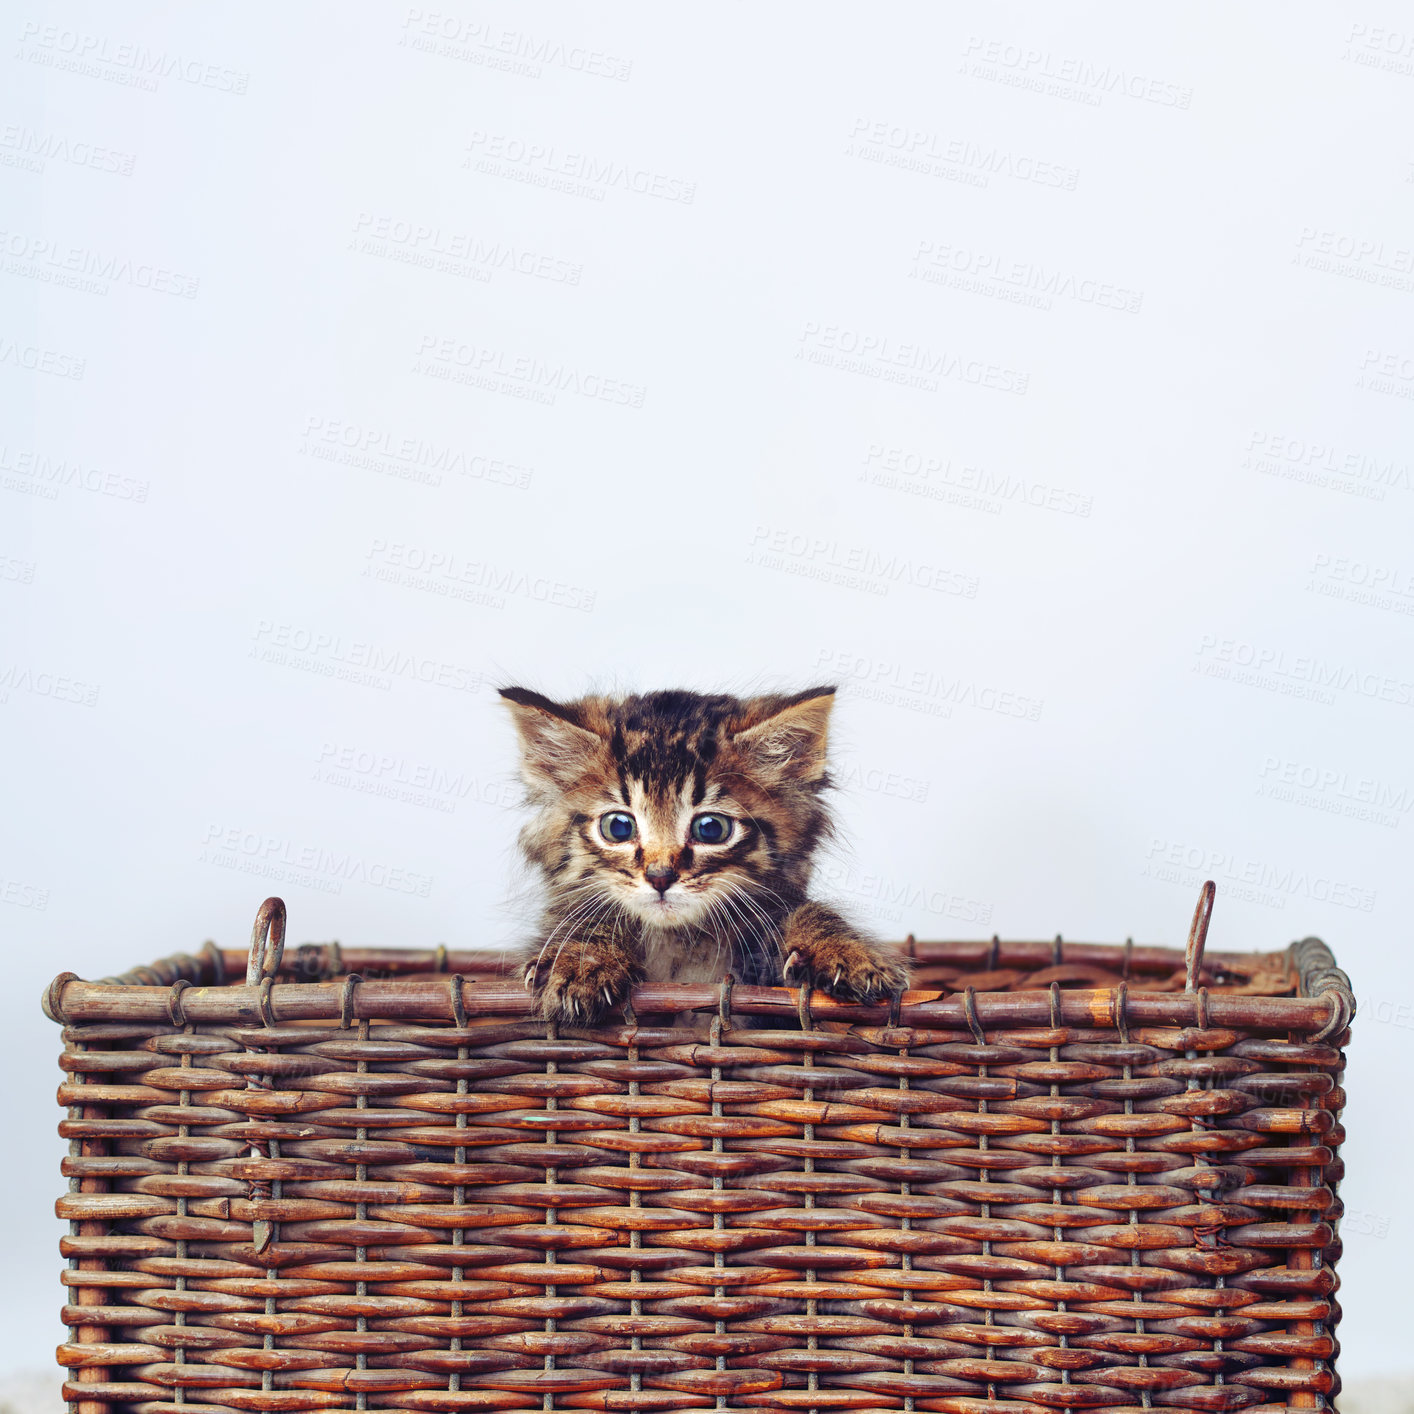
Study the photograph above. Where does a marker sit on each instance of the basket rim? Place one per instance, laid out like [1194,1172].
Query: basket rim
[192,988]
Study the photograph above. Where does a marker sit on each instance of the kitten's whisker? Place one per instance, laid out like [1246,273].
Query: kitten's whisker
[570,920]
[582,930]
[571,901]
[745,898]
[769,927]
[760,886]
[724,910]
[752,920]
[769,916]
[587,932]
[746,910]
[730,949]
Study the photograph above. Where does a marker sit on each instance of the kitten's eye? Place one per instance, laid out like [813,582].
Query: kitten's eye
[711,829]
[617,827]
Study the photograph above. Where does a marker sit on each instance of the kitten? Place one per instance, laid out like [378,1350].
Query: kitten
[674,831]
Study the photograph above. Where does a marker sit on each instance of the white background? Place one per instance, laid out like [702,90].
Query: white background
[1045,380]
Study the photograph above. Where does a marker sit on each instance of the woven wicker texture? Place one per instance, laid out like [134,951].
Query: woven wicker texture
[727,1211]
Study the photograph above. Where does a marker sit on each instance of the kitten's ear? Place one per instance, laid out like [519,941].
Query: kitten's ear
[787,736]
[554,748]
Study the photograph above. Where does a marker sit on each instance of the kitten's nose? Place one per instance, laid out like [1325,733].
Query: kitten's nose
[661,876]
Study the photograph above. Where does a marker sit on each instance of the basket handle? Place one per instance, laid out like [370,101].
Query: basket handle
[267,947]
[267,942]
[1198,936]
[1320,977]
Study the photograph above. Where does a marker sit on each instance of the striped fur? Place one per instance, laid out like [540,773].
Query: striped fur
[665,906]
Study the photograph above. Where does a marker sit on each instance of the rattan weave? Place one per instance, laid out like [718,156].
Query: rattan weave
[1054,1179]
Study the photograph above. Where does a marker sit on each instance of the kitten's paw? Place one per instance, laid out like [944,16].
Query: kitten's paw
[822,950]
[582,992]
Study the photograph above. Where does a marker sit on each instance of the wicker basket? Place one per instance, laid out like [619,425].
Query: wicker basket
[1058,1177]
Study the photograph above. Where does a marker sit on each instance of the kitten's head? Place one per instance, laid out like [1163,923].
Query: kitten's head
[674,805]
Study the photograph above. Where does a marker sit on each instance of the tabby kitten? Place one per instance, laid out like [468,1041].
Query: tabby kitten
[674,831]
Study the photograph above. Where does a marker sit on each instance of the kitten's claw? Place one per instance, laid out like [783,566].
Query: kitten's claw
[581,991]
[848,968]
